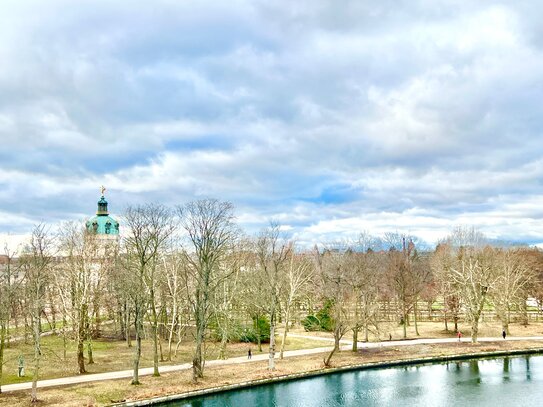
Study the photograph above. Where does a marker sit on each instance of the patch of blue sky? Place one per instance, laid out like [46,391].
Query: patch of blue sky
[36,161]
[336,194]
[162,99]
[174,41]
[111,162]
[208,142]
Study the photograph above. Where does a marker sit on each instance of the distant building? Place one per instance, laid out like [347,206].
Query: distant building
[103,226]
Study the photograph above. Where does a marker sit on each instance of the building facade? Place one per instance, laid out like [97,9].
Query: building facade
[102,226]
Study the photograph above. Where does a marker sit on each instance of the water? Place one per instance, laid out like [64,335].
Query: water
[508,382]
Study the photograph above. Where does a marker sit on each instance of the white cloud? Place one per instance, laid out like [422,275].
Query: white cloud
[371,116]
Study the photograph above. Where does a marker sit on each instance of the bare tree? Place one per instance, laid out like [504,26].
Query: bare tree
[466,236]
[333,280]
[473,275]
[441,262]
[36,262]
[401,270]
[272,254]
[421,281]
[255,294]
[363,279]
[227,294]
[513,278]
[299,272]
[534,258]
[9,284]
[148,229]
[74,283]
[470,270]
[211,232]
[174,271]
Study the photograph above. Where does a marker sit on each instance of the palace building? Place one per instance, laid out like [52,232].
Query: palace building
[103,226]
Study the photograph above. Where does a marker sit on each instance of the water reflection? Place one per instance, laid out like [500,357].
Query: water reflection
[472,382]
[506,377]
[528,376]
[474,370]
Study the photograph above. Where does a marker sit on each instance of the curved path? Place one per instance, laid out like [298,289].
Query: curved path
[124,374]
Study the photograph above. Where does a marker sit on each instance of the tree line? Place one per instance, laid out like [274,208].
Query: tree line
[191,271]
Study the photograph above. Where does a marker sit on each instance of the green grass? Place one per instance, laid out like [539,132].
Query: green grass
[113,355]
[20,330]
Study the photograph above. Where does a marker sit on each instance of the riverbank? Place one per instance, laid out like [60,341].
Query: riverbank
[246,374]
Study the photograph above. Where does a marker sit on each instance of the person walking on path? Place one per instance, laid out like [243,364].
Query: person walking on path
[503,333]
[249,354]
[459,336]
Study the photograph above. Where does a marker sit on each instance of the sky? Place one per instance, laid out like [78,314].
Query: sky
[329,117]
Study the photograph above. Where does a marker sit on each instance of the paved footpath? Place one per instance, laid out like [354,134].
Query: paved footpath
[125,374]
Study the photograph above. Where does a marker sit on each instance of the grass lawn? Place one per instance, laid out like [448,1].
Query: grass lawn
[112,355]
[435,330]
[20,330]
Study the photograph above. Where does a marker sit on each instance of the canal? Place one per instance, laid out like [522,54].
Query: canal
[515,381]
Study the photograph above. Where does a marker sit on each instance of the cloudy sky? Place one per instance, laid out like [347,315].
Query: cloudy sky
[331,117]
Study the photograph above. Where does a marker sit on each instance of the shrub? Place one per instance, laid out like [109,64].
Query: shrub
[235,330]
[321,321]
[261,327]
[311,323]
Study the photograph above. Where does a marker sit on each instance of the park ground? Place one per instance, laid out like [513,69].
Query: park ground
[113,355]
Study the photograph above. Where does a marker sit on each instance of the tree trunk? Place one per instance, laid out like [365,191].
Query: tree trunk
[258,333]
[404,323]
[2,345]
[415,317]
[160,350]
[524,312]
[197,360]
[64,338]
[97,323]
[355,339]
[27,328]
[271,359]
[474,330]
[336,349]
[475,326]
[154,315]
[170,337]
[80,357]
[37,357]
[53,322]
[507,319]
[476,317]
[445,313]
[138,325]
[88,332]
[285,332]
[89,351]
[81,338]
[127,325]
[356,326]
[224,341]
[156,373]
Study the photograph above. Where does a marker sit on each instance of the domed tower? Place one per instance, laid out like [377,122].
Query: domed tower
[102,225]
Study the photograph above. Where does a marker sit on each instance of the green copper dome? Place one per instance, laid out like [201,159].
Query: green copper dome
[102,223]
